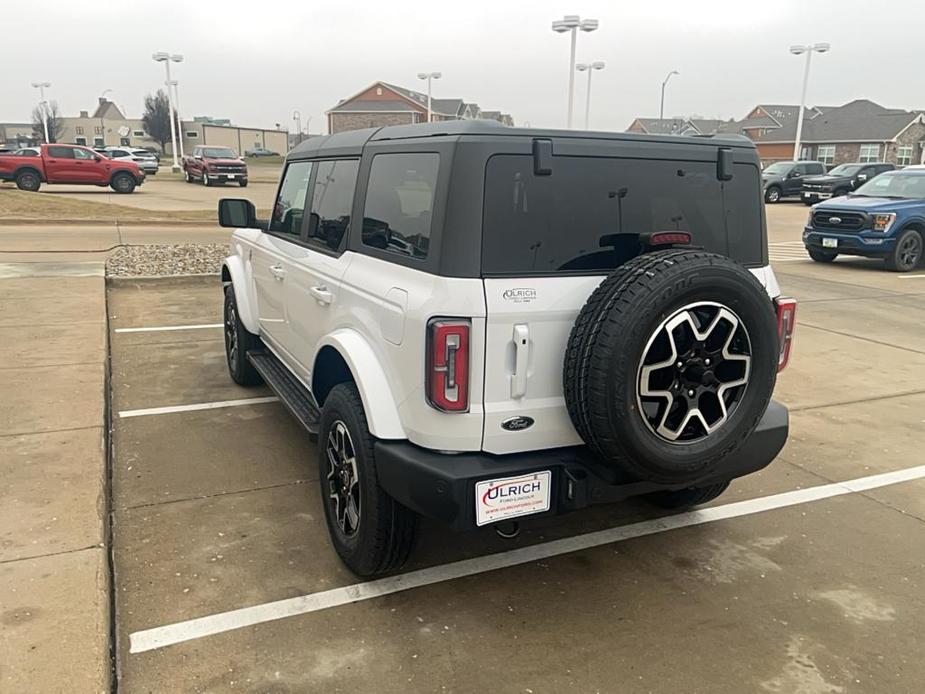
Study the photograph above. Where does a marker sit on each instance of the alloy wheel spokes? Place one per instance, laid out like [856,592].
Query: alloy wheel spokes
[343,479]
[693,372]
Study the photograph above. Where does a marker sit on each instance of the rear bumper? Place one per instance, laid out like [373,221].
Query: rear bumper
[442,486]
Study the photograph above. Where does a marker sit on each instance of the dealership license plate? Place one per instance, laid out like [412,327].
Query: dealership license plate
[229,175]
[830,243]
[512,497]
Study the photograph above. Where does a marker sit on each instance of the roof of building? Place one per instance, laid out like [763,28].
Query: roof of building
[361,106]
[107,110]
[859,120]
[451,108]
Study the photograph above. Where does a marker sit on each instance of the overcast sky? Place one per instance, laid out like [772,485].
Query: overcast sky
[255,62]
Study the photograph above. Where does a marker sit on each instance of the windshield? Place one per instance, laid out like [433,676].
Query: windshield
[894,185]
[780,167]
[845,170]
[219,153]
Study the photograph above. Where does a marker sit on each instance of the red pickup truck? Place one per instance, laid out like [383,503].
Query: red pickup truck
[71,164]
[212,164]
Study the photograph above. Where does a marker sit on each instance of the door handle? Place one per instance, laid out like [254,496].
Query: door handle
[278,272]
[521,360]
[321,294]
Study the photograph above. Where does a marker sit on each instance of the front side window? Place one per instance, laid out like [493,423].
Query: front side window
[83,154]
[400,203]
[826,154]
[904,155]
[332,202]
[61,152]
[290,203]
[869,153]
[116,153]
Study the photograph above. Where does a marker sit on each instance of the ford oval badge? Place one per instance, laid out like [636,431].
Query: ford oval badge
[517,423]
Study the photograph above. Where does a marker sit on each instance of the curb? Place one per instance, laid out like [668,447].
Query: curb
[107,222]
[201,278]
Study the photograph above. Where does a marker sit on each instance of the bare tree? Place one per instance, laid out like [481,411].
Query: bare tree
[55,123]
[156,118]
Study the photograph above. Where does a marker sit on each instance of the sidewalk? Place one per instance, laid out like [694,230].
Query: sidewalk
[54,567]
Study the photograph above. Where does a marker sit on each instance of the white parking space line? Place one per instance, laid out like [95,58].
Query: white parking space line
[196,406]
[911,277]
[787,251]
[164,328]
[180,632]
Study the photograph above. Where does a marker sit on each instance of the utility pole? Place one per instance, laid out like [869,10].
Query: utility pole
[43,105]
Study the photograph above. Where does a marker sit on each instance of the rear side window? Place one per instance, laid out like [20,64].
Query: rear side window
[587,216]
[400,203]
[288,211]
[61,152]
[332,201]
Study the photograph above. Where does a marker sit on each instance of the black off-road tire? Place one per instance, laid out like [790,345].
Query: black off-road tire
[685,498]
[608,342]
[238,342]
[773,197]
[821,256]
[386,530]
[123,183]
[28,180]
[907,253]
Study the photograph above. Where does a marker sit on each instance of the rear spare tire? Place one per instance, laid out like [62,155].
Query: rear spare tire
[671,364]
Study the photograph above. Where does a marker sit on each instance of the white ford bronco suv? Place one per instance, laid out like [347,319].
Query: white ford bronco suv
[481,323]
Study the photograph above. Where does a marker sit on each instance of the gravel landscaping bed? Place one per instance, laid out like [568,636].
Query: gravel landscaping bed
[167,260]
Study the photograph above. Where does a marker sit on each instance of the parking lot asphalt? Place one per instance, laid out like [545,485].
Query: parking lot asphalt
[218,509]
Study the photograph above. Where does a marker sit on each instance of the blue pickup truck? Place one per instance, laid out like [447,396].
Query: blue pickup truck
[884,218]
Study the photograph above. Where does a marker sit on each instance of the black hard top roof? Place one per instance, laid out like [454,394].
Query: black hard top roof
[352,142]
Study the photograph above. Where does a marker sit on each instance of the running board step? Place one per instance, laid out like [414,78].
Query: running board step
[296,397]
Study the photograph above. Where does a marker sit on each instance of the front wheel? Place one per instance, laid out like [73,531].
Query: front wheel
[206,180]
[371,532]
[243,183]
[238,342]
[123,183]
[685,498]
[821,256]
[187,177]
[907,253]
[772,195]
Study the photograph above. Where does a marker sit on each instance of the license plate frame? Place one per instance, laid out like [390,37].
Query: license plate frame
[504,498]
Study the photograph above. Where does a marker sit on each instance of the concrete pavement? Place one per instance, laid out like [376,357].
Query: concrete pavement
[54,618]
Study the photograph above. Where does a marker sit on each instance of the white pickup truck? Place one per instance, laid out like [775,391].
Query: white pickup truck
[483,323]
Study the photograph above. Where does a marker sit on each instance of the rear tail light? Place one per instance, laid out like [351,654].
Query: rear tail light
[786,322]
[666,238]
[448,364]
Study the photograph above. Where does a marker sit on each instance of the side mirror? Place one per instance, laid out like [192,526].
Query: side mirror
[237,213]
[862,177]
[793,174]
[197,156]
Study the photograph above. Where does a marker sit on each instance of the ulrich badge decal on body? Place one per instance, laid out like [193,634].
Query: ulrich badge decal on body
[520,295]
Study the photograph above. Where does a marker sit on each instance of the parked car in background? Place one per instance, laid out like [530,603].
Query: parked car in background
[72,164]
[784,179]
[841,180]
[153,151]
[260,152]
[27,152]
[213,165]
[884,218]
[145,160]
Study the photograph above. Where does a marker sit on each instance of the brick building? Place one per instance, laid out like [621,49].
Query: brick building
[383,104]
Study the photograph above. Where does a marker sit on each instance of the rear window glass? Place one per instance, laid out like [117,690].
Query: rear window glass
[61,152]
[400,203]
[588,215]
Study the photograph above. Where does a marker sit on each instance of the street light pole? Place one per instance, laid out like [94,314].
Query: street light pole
[297,117]
[661,109]
[808,49]
[590,68]
[429,76]
[572,23]
[43,105]
[166,58]
[176,106]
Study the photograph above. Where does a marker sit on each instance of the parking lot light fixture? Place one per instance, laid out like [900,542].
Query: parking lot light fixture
[661,108]
[167,58]
[43,105]
[808,50]
[176,106]
[429,76]
[589,68]
[572,23]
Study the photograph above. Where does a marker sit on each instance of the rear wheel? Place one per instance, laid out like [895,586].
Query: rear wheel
[673,365]
[371,532]
[685,498]
[123,183]
[907,253]
[238,342]
[28,180]
[821,256]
